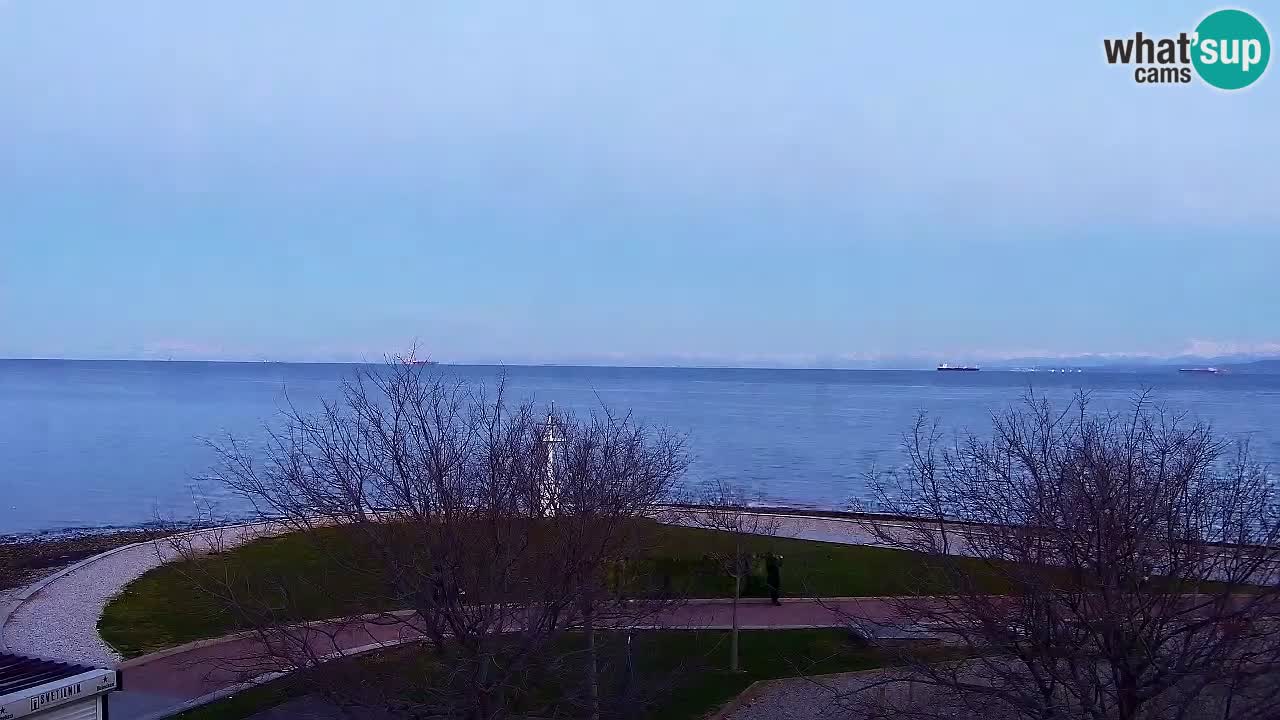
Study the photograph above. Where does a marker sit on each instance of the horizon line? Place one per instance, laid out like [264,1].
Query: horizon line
[996,366]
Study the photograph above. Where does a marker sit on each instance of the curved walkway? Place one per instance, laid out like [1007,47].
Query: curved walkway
[169,681]
[57,617]
[796,524]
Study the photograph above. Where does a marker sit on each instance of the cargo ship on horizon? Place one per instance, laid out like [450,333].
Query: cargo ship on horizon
[962,368]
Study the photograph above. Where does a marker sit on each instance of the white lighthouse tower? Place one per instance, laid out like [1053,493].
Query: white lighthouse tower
[549,493]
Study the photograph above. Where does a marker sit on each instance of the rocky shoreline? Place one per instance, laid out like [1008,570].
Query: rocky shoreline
[27,558]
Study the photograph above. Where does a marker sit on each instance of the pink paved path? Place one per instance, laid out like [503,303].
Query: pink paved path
[162,681]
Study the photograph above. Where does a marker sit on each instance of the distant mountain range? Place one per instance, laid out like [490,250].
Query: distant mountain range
[1270,365]
[1233,364]
[1237,363]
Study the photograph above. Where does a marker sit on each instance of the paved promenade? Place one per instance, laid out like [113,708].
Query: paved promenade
[57,617]
[160,682]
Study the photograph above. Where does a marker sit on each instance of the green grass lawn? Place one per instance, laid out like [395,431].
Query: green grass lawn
[320,575]
[683,671]
[763,655]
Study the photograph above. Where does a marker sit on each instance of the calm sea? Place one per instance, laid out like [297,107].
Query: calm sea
[91,444]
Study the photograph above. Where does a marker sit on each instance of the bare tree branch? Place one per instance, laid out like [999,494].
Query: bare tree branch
[487,532]
[1102,565]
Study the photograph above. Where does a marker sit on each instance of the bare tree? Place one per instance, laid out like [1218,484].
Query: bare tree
[726,508]
[461,521]
[605,474]
[1089,564]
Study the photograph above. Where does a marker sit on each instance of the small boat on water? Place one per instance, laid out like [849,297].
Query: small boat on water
[1210,370]
[963,368]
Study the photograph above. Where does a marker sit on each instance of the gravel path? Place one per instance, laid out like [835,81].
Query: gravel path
[60,620]
[831,697]
[790,699]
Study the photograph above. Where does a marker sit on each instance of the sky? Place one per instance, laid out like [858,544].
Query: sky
[815,183]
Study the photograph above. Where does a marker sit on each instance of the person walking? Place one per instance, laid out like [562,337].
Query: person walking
[773,573]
